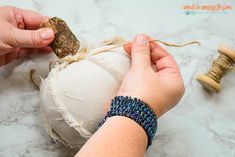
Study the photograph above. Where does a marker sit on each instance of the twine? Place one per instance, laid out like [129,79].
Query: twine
[82,54]
[154,40]
[219,67]
[71,59]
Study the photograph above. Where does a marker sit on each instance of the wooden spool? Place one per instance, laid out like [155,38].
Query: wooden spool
[209,83]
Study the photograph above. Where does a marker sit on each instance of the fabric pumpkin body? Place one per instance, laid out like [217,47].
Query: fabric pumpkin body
[74,98]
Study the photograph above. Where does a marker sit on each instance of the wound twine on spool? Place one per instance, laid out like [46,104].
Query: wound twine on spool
[220,66]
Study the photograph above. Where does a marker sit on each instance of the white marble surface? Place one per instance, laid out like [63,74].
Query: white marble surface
[202,124]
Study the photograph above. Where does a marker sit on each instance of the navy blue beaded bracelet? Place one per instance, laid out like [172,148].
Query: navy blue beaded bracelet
[136,110]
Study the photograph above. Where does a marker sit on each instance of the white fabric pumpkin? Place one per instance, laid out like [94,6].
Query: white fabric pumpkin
[75,97]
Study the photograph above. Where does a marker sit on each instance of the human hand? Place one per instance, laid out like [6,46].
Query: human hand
[19,34]
[154,76]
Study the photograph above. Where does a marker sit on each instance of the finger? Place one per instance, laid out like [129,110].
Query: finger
[34,51]
[31,19]
[20,53]
[140,52]
[31,38]
[162,59]
[11,57]
[127,48]
[154,66]
[2,60]
[8,58]
[45,50]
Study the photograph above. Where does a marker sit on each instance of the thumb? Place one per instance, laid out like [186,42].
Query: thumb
[32,38]
[140,52]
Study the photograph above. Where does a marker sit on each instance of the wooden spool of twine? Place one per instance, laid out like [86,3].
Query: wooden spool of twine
[220,66]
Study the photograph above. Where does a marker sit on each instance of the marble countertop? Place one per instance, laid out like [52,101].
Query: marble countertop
[202,125]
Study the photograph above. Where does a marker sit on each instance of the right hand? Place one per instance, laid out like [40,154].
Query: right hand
[154,76]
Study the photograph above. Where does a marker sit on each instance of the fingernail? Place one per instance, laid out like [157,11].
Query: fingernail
[47,34]
[141,40]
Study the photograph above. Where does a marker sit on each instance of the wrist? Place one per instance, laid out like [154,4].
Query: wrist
[128,128]
[119,136]
[136,110]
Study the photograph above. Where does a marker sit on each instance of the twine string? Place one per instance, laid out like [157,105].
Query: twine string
[111,46]
[82,54]
[154,40]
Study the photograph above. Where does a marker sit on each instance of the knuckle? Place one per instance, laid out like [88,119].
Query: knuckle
[12,40]
[141,48]
[5,48]
[18,17]
[16,11]
[34,39]
[142,51]
[8,7]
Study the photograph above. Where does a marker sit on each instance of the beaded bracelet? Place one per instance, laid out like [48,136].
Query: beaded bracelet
[136,110]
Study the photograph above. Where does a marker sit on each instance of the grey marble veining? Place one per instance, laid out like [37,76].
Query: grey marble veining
[201,125]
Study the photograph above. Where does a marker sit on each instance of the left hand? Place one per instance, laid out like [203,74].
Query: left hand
[20,34]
